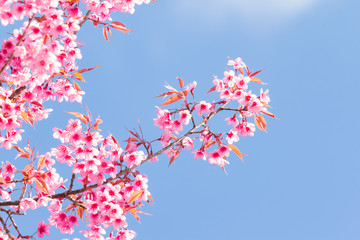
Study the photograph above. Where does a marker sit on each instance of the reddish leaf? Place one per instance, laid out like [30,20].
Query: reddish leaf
[174,157]
[255,73]
[37,104]
[77,87]
[45,38]
[25,116]
[71,206]
[96,125]
[254,79]
[181,82]
[135,196]
[211,89]
[80,212]
[106,34]
[237,151]
[260,123]
[119,26]
[223,168]
[172,99]
[268,113]
[22,152]
[78,76]
[80,116]
[150,197]
[165,94]
[41,162]
[209,144]
[133,211]
[241,71]
[265,104]
[42,185]
[87,69]
[184,93]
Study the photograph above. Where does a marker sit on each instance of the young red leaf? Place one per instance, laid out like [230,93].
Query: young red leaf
[77,87]
[254,79]
[165,94]
[174,157]
[241,71]
[119,26]
[260,123]
[71,206]
[209,144]
[106,35]
[80,212]
[42,185]
[268,113]
[78,76]
[133,211]
[255,73]
[87,69]
[181,82]
[135,196]
[211,89]
[172,99]
[237,151]
[150,197]
[41,162]
[184,93]
[80,116]
[22,152]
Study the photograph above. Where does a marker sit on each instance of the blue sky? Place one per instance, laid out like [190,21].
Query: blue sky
[300,181]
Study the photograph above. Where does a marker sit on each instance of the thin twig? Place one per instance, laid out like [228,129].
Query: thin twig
[6,229]
[125,171]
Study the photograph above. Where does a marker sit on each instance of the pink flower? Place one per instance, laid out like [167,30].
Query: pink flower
[188,143]
[245,128]
[264,96]
[216,158]
[232,137]
[203,107]
[255,106]
[237,63]
[229,78]
[191,87]
[185,116]
[198,153]
[27,203]
[176,126]
[43,229]
[135,158]
[232,120]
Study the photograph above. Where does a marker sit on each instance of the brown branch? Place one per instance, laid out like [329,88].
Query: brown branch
[6,229]
[85,19]
[15,226]
[125,171]
[17,92]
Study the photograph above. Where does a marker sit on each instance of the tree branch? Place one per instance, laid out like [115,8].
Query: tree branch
[125,171]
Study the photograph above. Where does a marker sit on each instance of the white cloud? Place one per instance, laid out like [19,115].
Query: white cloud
[256,13]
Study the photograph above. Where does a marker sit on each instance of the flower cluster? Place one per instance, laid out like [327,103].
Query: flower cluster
[38,63]
[38,60]
[233,87]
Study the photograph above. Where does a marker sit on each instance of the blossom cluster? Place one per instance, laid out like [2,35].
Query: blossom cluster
[232,88]
[38,63]
[111,188]
[38,60]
